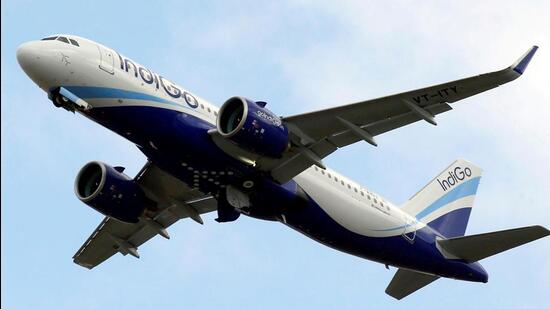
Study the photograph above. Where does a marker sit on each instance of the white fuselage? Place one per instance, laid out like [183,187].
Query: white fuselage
[94,65]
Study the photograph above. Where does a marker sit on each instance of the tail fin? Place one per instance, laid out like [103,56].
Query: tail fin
[473,248]
[445,203]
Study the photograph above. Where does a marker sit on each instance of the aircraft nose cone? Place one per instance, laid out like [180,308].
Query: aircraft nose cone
[35,61]
[26,55]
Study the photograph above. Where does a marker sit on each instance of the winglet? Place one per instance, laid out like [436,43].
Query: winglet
[521,64]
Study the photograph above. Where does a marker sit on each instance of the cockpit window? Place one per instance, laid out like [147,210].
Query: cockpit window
[49,38]
[75,43]
[63,39]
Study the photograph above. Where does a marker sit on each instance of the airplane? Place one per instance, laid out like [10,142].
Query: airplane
[244,159]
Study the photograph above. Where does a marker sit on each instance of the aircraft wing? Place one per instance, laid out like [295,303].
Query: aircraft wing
[175,200]
[316,135]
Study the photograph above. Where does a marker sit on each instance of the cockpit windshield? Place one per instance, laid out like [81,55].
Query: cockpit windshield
[61,39]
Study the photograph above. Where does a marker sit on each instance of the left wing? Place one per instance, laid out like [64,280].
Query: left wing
[175,200]
[317,134]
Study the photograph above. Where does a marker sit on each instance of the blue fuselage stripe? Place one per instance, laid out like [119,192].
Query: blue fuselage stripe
[86,92]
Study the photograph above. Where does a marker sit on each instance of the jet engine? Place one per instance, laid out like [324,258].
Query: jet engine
[111,192]
[250,125]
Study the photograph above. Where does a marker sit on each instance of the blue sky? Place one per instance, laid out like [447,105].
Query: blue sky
[297,56]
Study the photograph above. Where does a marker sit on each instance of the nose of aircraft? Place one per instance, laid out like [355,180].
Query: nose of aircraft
[37,61]
[27,54]
[31,59]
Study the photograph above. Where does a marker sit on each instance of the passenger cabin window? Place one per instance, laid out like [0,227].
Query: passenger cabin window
[63,39]
[74,42]
[51,38]
[342,182]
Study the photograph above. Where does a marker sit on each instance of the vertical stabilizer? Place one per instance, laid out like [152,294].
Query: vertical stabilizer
[446,202]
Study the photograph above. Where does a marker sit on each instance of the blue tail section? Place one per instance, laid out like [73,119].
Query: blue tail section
[446,202]
[452,224]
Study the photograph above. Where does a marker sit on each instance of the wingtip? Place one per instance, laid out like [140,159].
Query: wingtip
[544,230]
[521,64]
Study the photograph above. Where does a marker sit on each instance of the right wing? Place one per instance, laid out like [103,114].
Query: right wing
[315,135]
[175,200]
[320,133]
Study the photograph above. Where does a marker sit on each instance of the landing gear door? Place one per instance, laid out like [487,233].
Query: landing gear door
[106,60]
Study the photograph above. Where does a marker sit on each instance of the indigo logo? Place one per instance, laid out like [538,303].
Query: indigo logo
[455,176]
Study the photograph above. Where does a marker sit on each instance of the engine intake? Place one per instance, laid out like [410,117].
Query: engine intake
[252,126]
[110,192]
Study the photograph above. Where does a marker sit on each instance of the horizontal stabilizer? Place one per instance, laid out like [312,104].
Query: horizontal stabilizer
[476,247]
[406,282]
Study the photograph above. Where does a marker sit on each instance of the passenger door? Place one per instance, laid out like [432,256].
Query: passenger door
[106,59]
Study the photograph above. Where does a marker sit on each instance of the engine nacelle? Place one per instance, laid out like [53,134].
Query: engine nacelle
[253,127]
[110,192]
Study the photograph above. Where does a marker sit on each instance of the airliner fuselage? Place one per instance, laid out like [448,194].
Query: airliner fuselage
[175,129]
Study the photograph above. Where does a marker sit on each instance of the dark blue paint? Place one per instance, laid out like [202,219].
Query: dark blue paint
[452,224]
[262,131]
[182,138]
[522,65]
[119,196]
[421,254]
